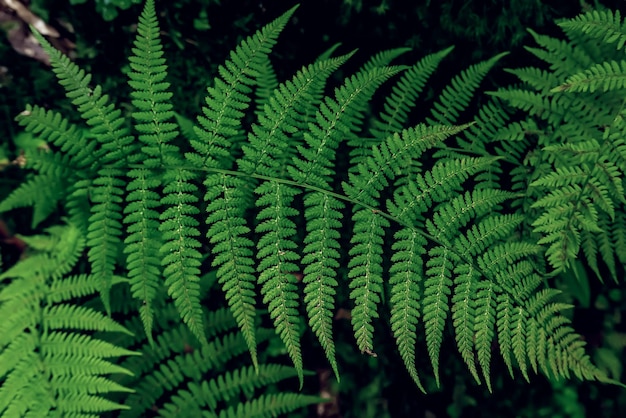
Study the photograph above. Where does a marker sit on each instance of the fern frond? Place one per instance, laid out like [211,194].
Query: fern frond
[71,287]
[406,276]
[342,114]
[383,58]
[105,227]
[599,24]
[390,157]
[285,112]
[268,405]
[464,314]
[232,250]
[175,366]
[143,243]
[333,121]
[269,144]
[537,78]
[180,257]
[606,76]
[105,121]
[404,94]
[365,186]
[398,105]
[153,112]
[564,58]
[228,98]
[484,326]
[107,126]
[156,373]
[42,192]
[456,96]
[47,364]
[153,120]
[366,274]
[267,82]
[277,263]
[321,255]
[52,127]
[226,102]
[224,388]
[433,186]
[437,290]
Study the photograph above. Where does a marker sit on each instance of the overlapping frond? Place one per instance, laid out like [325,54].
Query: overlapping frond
[334,119]
[606,25]
[578,186]
[457,95]
[152,244]
[369,224]
[228,196]
[49,362]
[404,95]
[184,377]
[606,76]
[116,145]
[229,96]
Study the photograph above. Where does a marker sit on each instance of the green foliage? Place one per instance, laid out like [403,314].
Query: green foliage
[49,361]
[577,165]
[429,228]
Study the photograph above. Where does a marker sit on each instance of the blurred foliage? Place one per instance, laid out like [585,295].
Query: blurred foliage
[109,8]
[199,33]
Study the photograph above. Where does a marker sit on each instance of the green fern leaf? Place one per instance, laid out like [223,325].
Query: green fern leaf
[389,157]
[232,250]
[484,326]
[175,359]
[105,120]
[433,186]
[457,95]
[224,388]
[228,98]
[406,274]
[47,369]
[153,120]
[366,274]
[437,290]
[106,123]
[398,104]
[42,192]
[282,117]
[464,314]
[600,24]
[334,119]
[267,82]
[383,58]
[51,127]
[277,263]
[180,257]
[269,405]
[105,228]
[321,261]
[404,95]
[226,102]
[607,76]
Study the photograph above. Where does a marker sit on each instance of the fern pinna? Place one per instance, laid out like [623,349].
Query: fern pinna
[254,195]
